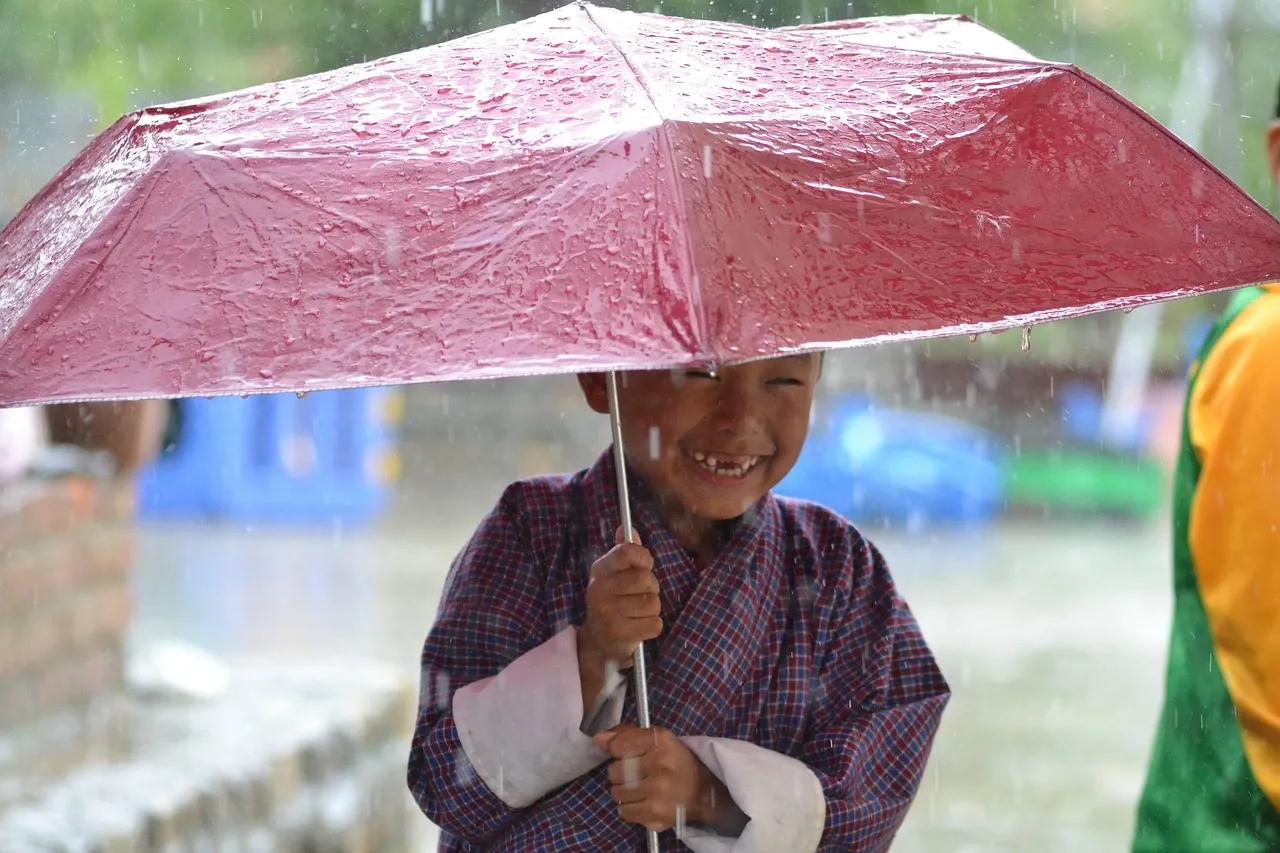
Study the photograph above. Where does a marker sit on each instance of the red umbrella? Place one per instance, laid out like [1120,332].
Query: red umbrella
[594,189]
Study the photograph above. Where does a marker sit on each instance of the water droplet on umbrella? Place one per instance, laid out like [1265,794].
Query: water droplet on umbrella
[1026,339]
[973,337]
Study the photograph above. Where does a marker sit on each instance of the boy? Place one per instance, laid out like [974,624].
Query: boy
[793,698]
[1214,779]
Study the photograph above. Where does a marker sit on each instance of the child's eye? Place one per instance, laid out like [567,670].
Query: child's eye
[785,380]
[699,374]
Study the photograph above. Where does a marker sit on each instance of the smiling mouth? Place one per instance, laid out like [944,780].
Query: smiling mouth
[726,465]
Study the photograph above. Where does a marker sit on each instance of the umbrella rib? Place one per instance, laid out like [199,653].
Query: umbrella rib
[701,347]
[1102,88]
[116,232]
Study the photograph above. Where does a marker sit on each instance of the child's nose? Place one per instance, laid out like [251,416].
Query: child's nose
[735,407]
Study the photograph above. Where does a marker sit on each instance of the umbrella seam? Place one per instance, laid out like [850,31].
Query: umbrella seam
[111,233]
[701,346]
[1098,85]
[104,140]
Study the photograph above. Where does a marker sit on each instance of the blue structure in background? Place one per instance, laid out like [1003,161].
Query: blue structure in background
[1082,406]
[899,467]
[329,456]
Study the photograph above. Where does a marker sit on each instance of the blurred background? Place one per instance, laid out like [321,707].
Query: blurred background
[218,645]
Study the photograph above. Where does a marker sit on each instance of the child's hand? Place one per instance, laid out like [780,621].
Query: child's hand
[622,606]
[657,781]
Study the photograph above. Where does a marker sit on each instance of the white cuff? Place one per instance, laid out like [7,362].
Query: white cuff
[781,797]
[522,729]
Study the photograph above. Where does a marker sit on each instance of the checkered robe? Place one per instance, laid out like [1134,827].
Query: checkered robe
[790,666]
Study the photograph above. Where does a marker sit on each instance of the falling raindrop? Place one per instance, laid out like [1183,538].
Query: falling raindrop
[631,772]
[655,441]
[706,162]
[393,247]
[465,773]
[442,691]
[1026,339]
[824,228]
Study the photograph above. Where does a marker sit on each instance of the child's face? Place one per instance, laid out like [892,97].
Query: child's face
[713,445]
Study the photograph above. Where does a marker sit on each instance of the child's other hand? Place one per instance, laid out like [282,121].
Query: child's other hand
[656,780]
[622,606]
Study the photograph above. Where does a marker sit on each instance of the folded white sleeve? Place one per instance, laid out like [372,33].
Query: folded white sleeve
[781,797]
[522,729]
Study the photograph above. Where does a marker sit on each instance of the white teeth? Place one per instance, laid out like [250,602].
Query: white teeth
[723,467]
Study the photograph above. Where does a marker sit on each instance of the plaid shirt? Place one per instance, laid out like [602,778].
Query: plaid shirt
[794,640]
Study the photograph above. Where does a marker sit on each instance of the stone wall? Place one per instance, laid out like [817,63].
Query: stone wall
[66,547]
[288,759]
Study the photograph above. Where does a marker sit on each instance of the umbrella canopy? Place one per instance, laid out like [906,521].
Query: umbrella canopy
[593,189]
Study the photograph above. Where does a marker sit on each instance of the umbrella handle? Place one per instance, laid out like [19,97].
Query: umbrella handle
[639,677]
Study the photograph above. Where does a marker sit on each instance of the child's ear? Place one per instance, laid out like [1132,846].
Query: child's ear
[595,391]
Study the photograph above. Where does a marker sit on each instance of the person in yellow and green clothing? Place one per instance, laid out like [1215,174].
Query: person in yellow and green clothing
[1213,785]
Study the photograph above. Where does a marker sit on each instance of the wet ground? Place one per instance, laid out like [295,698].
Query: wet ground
[1052,636]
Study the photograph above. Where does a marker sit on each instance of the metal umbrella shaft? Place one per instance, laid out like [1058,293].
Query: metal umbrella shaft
[639,678]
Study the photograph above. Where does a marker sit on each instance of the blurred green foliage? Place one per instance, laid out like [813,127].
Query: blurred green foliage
[124,53]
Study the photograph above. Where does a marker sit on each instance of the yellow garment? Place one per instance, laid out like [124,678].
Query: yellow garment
[1234,418]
